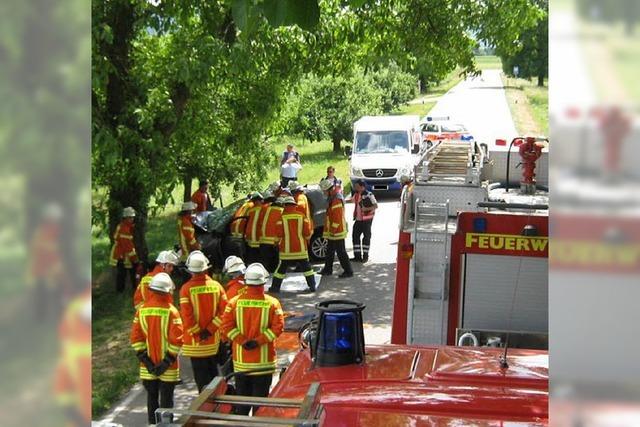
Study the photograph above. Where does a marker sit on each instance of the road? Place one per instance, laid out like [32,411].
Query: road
[479,102]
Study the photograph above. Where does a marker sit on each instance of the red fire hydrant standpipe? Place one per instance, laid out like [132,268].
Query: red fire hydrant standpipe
[530,152]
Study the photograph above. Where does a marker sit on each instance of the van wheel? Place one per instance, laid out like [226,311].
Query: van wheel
[318,246]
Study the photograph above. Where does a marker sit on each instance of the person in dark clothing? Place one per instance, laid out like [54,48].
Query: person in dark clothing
[363,212]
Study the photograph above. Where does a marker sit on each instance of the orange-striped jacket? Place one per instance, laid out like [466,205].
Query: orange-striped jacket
[269,224]
[304,206]
[252,231]
[157,329]
[235,287]
[202,303]
[253,316]
[142,291]
[294,233]
[187,235]
[237,226]
[123,248]
[335,225]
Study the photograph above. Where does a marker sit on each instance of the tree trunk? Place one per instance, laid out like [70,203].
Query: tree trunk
[186,182]
[540,80]
[336,145]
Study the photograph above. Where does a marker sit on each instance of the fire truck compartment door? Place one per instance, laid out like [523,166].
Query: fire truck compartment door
[489,283]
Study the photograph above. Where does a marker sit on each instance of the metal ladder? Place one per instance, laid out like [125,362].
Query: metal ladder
[448,162]
[308,414]
[430,272]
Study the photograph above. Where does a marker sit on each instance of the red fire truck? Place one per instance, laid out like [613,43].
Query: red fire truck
[472,256]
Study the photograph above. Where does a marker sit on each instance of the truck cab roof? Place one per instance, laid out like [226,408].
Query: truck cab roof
[389,123]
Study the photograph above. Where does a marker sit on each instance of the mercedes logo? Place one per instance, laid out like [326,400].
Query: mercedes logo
[379,173]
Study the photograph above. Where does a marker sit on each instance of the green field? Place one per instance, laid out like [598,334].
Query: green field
[487,62]
[529,105]
[426,101]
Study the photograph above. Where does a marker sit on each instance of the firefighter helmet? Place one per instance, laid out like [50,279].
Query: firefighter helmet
[162,282]
[256,195]
[294,186]
[256,274]
[167,257]
[128,212]
[288,200]
[197,262]
[275,185]
[233,264]
[326,184]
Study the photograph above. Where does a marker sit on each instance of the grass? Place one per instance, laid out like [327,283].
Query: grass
[529,105]
[114,366]
[488,62]
[426,101]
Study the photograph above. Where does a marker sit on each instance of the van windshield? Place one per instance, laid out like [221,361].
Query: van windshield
[382,142]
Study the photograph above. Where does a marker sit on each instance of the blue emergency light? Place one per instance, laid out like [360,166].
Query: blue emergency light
[480,224]
[432,118]
[339,338]
[466,137]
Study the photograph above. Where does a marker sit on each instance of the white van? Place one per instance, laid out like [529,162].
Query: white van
[384,149]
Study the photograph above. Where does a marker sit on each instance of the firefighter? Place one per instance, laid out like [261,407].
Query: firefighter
[331,176]
[123,253]
[297,191]
[72,383]
[335,231]
[365,208]
[293,234]
[201,197]
[156,336]
[165,262]
[186,232]
[252,229]
[202,303]
[275,187]
[252,322]
[234,269]
[269,219]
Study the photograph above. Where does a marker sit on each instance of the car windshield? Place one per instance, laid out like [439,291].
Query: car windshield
[453,128]
[430,127]
[382,142]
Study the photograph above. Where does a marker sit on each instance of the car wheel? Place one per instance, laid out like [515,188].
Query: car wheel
[318,246]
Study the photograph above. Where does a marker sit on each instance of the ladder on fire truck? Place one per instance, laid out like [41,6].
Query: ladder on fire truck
[451,163]
[430,272]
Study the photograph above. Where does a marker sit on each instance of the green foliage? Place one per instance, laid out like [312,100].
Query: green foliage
[610,11]
[532,55]
[396,86]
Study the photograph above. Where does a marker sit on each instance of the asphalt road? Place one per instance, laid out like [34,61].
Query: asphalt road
[481,103]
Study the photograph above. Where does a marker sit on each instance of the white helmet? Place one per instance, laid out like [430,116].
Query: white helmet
[197,262]
[167,257]
[162,282]
[128,212]
[234,264]
[256,274]
[405,179]
[287,200]
[188,206]
[326,184]
[53,211]
[294,186]
[274,186]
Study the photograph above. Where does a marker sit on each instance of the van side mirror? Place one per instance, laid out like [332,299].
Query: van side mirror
[347,150]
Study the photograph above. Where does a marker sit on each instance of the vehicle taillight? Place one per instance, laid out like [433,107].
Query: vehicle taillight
[406,251]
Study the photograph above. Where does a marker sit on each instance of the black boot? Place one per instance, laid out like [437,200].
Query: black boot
[311,282]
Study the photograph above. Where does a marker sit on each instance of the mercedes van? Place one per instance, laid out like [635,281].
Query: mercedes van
[384,148]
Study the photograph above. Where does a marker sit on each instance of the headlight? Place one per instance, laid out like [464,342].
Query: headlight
[405,171]
[357,172]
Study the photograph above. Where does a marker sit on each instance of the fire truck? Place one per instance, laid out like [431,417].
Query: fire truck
[471,269]
[473,254]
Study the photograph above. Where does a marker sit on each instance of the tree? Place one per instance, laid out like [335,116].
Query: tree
[396,86]
[532,58]
[326,107]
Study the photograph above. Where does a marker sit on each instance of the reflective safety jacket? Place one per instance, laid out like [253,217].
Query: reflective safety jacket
[201,200]
[335,226]
[252,231]
[187,235]
[157,329]
[45,262]
[293,234]
[123,248]
[237,226]
[360,202]
[270,220]
[72,383]
[202,303]
[142,291]
[253,316]
[303,204]
[235,287]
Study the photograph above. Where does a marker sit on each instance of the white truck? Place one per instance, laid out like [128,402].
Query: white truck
[384,149]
